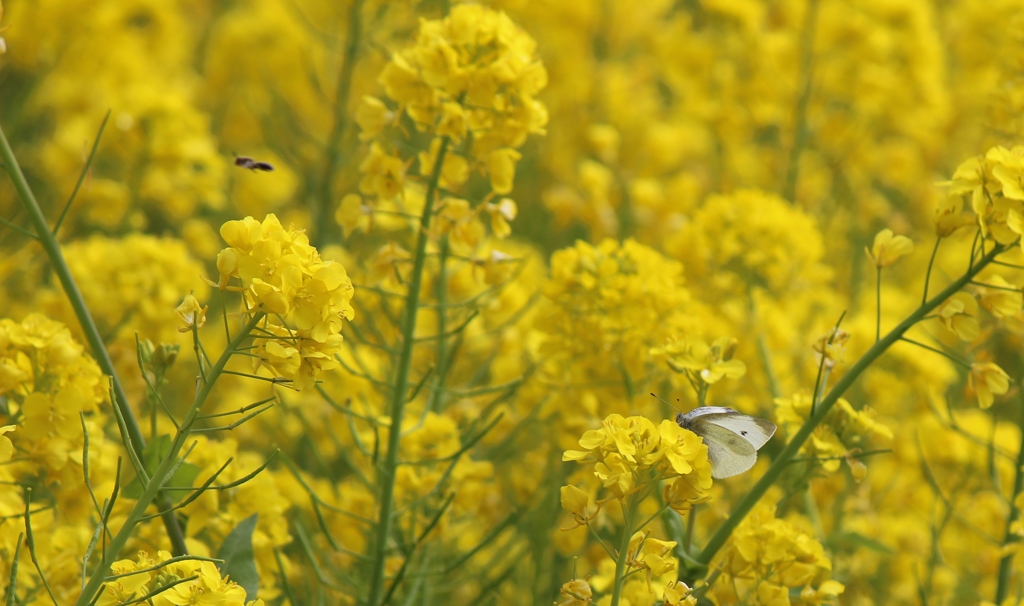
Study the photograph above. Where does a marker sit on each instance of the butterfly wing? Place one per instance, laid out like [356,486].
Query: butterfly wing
[755,430]
[728,452]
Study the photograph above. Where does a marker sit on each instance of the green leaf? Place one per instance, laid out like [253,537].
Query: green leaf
[239,559]
[155,452]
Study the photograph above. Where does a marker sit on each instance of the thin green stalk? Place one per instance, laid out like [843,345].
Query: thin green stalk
[441,294]
[779,464]
[12,584]
[18,228]
[401,383]
[342,94]
[81,177]
[802,101]
[938,351]
[878,304]
[928,274]
[1006,563]
[92,333]
[151,490]
[629,510]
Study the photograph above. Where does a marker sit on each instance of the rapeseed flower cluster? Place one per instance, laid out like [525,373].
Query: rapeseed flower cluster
[631,457]
[283,277]
[186,582]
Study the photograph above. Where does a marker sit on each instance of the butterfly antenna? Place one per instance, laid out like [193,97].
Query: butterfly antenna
[664,401]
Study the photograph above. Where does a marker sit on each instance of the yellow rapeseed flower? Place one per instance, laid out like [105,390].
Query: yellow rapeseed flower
[987,380]
[1003,300]
[888,248]
[191,314]
[959,314]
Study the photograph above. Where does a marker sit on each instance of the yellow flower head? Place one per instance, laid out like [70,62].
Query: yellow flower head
[282,275]
[987,380]
[577,502]
[708,364]
[1002,299]
[949,216]
[473,74]
[781,553]
[628,452]
[888,248]
[959,313]
[191,314]
[576,593]
[831,346]
[6,446]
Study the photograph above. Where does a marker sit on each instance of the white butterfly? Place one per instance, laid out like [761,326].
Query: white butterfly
[733,438]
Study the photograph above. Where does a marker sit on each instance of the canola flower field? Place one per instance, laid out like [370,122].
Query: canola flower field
[399,302]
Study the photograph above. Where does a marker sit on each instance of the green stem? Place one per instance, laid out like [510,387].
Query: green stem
[1006,563]
[802,101]
[160,475]
[401,383]
[779,464]
[441,294]
[878,304]
[92,333]
[343,92]
[763,352]
[938,351]
[628,511]
[928,274]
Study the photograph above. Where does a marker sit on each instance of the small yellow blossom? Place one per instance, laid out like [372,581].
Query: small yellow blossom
[383,173]
[502,212]
[960,315]
[501,165]
[888,248]
[949,217]
[6,446]
[831,346]
[1003,300]
[678,593]
[577,502]
[453,122]
[576,593]
[461,223]
[352,214]
[708,364]
[987,380]
[191,314]
[372,116]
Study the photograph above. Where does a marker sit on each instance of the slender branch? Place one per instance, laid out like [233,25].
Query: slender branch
[423,535]
[802,101]
[18,229]
[1006,563]
[936,350]
[878,303]
[12,584]
[821,363]
[620,558]
[928,274]
[81,177]
[779,464]
[161,474]
[30,542]
[401,383]
[92,333]
[341,98]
